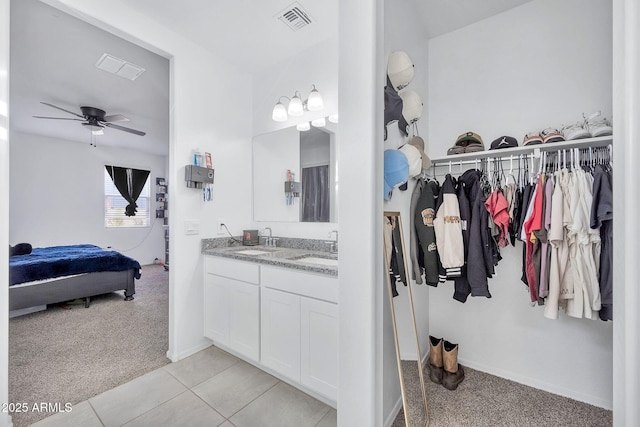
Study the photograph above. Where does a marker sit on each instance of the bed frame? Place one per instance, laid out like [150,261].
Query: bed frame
[66,289]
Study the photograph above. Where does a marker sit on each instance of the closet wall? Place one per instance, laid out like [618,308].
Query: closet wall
[541,64]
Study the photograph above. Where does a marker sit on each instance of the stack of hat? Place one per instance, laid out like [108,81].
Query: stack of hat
[468,142]
[402,106]
[406,162]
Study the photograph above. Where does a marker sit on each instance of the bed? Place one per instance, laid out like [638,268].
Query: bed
[63,273]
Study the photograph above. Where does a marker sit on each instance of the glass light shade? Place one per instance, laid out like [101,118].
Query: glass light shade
[295,106]
[315,103]
[319,122]
[279,113]
[98,132]
[333,118]
[304,126]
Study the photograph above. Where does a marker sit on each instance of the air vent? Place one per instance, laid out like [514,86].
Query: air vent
[119,67]
[294,16]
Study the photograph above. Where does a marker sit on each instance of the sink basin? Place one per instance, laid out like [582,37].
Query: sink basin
[252,252]
[320,261]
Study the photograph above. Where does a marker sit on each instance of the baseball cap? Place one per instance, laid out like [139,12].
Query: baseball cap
[469,138]
[411,105]
[400,69]
[418,142]
[414,159]
[503,142]
[396,170]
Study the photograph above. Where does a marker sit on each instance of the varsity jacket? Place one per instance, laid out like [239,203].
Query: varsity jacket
[424,225]
[449,230]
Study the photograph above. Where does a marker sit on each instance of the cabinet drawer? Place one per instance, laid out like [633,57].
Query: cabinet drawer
[233,269]
[307,284]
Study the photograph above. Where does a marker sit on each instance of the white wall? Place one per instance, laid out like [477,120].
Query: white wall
[360,214]
[404,31]
[626,297]
[221,128]
[533,66]
[57,196]
[5,418]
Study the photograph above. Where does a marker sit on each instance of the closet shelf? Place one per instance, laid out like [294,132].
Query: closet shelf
[527,149]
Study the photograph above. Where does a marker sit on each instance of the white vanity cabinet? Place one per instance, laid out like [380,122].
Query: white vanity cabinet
[284,320]
[300,327]
[232,305]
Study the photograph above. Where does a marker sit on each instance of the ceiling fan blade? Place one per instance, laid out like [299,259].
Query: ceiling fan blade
[57,118]
[115,118]
[62,109]
[133,131]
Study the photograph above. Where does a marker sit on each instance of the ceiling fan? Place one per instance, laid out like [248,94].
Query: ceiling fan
[94,119]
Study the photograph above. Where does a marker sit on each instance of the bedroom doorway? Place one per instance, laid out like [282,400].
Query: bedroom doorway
[55,59]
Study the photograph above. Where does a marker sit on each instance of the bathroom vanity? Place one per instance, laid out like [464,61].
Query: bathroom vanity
[276,308]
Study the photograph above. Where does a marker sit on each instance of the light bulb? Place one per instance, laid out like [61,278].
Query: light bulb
[304,126]
[295,106]
[319,122]
[315,103]
[333,118]
[279,113]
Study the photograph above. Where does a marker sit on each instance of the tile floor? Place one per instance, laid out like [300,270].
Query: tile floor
[210,388]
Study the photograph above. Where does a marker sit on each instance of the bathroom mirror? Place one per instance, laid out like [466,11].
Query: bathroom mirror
[310,156]
[415,409]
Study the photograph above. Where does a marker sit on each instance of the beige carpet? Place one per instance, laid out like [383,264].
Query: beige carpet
[71,353]
[484,400]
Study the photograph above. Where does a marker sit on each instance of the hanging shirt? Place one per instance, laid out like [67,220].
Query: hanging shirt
[498,208]
[601,217]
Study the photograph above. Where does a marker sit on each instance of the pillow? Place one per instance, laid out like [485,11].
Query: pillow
[20,249]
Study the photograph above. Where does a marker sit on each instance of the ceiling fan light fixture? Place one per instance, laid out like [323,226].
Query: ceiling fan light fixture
[94,127]
[98,132]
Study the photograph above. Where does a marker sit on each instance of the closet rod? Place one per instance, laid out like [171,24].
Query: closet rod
[602,141]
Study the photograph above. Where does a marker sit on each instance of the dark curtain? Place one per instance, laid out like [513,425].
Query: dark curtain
[315,194]
[129,183]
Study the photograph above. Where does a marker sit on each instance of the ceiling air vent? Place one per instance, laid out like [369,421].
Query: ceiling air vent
[294,16]
[119,67]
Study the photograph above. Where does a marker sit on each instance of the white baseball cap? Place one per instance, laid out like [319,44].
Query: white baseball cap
[411,105]
[414,158]
[399,69]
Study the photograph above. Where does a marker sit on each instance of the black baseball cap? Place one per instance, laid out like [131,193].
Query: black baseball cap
[504,142]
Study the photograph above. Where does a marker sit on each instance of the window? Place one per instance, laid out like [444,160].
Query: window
[114,205]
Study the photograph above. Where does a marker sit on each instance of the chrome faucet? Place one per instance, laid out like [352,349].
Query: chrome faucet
[334,243]
[269,238]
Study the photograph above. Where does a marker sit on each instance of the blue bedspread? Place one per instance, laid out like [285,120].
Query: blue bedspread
[58,261]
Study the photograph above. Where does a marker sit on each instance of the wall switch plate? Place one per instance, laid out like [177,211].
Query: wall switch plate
[219,228]
[191,226]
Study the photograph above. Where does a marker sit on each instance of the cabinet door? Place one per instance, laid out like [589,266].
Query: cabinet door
[319,346]
[244,319]
[280,346]
[216,309]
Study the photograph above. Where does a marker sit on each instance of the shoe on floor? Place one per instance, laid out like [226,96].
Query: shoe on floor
[598,126]
[551,135]
[435,359]
[453,372]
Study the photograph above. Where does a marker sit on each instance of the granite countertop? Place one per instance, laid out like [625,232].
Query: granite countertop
[295,258]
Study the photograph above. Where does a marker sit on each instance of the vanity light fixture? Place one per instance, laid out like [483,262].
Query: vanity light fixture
[319,122]
[333,118]
[304,126]
[297,106]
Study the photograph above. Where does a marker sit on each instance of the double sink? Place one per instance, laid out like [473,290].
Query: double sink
[316,259]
